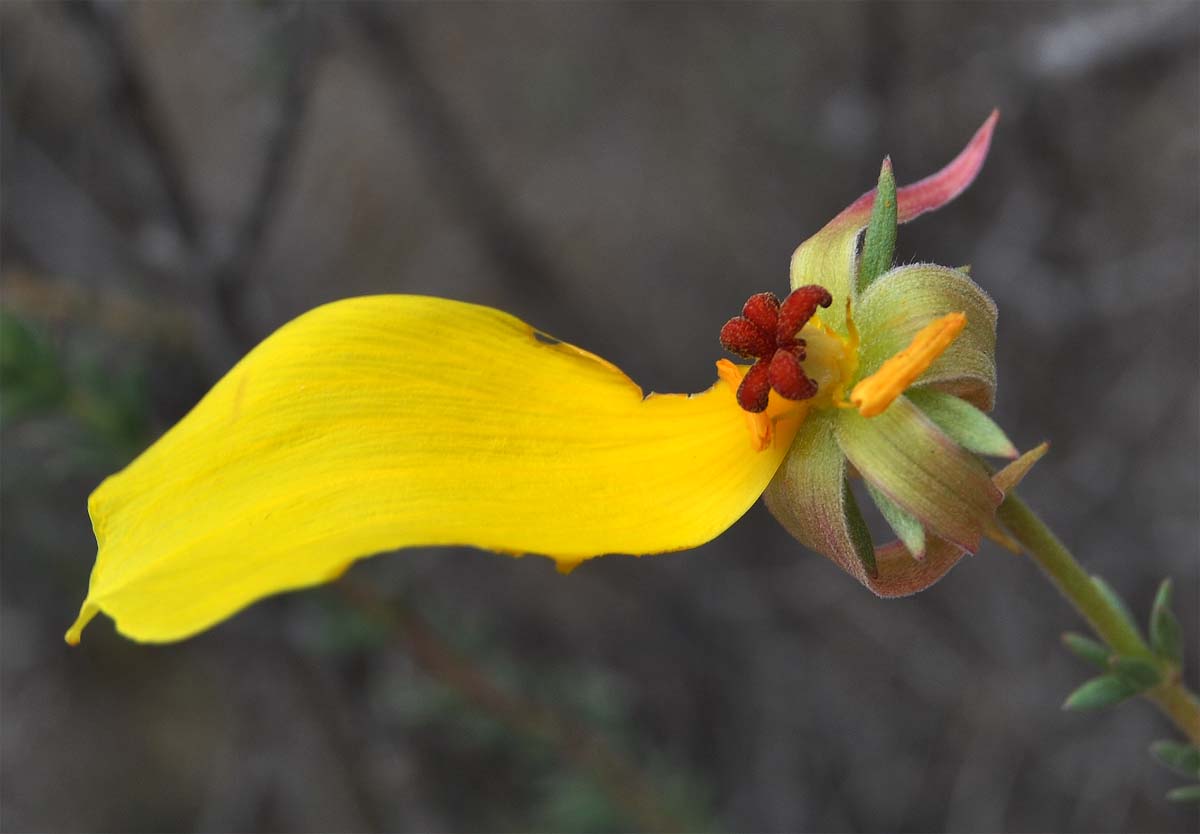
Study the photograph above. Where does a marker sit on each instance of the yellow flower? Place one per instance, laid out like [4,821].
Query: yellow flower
[383,422]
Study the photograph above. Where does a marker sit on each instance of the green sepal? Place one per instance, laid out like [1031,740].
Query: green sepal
[904,524]
[1166,635]
[1103,691]
[904,455]
[860,534]
[1188,793]
[879,245]
[964,423]
[1010,477]
[900,303]
[811,499]
[1179,757]
[1114,601]
[1086,648]
[1138,672]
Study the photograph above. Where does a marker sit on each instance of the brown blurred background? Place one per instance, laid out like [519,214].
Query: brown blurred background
[178,180]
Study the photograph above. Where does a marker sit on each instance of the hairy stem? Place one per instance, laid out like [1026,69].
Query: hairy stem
[1175,700]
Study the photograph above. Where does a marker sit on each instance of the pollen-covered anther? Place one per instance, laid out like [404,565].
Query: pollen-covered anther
[742,336]
[788,378]
[766,332]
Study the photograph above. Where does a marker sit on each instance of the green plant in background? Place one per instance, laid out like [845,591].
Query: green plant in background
[393,421]
[481,716]
[38,379]
[1137,668]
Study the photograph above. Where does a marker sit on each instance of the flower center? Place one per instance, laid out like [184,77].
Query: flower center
[768,332]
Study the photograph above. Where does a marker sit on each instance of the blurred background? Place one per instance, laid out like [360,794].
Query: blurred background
[179,180]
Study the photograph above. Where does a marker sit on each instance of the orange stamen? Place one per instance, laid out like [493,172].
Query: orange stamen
[873,394]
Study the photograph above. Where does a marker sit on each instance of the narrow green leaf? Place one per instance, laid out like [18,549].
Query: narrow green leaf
[879,246]
[903,523]
[1115,602]
[1179,757]
[1087,649]
[1188,793]
[1099,692]
[965,424]
[860,535]
[1166,635]
[1138,672]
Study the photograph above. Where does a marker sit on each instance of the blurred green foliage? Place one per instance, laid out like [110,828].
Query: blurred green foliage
[31,375]
[522,779]
[39,378]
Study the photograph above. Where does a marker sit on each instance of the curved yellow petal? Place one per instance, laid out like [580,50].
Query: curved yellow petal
[377,423]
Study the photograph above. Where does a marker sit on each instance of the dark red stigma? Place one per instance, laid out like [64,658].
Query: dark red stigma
[766,332]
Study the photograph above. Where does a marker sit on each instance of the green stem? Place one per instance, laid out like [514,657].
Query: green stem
[1109,622]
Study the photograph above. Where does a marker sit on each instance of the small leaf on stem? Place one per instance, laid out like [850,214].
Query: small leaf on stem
[1087,649]
[1099,692]
[1138,672]
[1179,757]
[1188,793]
[1115,602]
[1166,636]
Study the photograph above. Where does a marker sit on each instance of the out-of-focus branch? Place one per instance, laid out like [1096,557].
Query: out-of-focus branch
[328,709]
[301,40]
[625,786]
[455,163]
[227,271]
[132,99]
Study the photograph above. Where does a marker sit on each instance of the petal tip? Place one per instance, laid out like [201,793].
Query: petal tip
[75,633]
[567,566]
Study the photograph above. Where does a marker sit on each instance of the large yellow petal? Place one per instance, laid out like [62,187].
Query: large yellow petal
[392,421]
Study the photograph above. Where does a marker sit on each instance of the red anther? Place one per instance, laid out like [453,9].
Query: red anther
[766,331]
[753,393]
[788,378]
[798,308]
[763,310]
[743,337]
